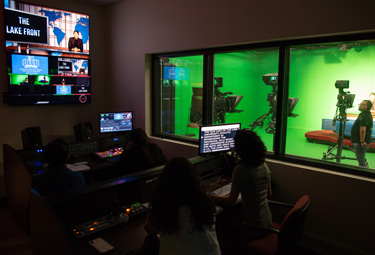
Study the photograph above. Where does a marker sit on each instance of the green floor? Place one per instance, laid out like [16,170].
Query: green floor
[297,145]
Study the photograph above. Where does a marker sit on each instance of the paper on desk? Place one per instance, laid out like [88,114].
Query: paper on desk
[77,168]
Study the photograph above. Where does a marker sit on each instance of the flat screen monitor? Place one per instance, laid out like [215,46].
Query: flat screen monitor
[217,138]
[45,31]
[47,51]
[115,122]
[41,80]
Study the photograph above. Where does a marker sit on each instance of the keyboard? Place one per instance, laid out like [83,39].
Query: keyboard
[223,191]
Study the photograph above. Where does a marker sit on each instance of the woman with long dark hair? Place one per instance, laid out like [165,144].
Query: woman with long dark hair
[251,178]
[181,212]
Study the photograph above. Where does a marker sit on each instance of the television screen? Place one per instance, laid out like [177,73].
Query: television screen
[176,73]
[115,122]
[217,138]
[35,80]
[45,31]
[28,64]
[47,55]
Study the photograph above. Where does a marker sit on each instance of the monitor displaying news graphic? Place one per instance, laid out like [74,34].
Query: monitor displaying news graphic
[115,122]
[36,80]
[217,138]
[176,73]
[28,64]
[25,27]
[63,89]
[73,66]
[45,30]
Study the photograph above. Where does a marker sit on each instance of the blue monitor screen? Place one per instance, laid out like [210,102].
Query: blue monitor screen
[217,138]
[176,73]
[63,90]
[28,64]
[115,122]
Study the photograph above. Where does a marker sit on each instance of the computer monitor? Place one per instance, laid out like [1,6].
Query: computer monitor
[115,122]
[217,138]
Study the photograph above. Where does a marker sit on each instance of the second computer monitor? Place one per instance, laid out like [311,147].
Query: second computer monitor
[115,122]
[217,138]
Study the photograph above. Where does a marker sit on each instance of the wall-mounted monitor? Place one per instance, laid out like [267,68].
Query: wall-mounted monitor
[36,80]
[217,138]
[42,30]
[115,122]
[47,55]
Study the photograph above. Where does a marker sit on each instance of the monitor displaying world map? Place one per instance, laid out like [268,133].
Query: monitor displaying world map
[43,30]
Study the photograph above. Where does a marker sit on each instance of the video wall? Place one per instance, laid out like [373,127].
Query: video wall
[48,60]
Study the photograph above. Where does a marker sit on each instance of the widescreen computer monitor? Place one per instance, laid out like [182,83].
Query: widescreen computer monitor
[115,122]
[217,138]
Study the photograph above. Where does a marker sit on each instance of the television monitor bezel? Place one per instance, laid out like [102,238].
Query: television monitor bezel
[116,132]
[200,152]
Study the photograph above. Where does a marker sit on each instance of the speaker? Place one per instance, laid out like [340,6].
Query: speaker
[31,138]
[83,131]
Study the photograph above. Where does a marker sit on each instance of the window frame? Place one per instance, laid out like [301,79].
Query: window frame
[284,46]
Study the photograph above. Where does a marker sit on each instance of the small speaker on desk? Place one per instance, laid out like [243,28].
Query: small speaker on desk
[31,137]
[83,131]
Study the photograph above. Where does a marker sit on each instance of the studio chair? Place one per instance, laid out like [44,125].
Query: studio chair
[17,185]
[281,238]
[48,234]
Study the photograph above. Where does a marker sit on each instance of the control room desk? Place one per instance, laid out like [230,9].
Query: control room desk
[96,200]
[124,238]
[128,238]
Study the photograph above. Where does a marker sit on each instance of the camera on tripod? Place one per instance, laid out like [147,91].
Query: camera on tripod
[272,79]
[344,99]
[224,102]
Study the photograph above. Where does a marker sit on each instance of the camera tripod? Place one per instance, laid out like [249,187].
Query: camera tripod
[270,115]
[271,127]
[341,116]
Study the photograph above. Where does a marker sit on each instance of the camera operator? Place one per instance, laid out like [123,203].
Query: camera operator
[361,132]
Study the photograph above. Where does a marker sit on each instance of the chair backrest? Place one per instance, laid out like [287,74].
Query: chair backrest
[17,185]
[292,227]
[48,234]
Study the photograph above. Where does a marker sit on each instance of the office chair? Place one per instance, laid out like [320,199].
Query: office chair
[281,239]
[17,185]
[48,234]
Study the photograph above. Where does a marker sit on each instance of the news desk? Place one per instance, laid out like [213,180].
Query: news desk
[99,199]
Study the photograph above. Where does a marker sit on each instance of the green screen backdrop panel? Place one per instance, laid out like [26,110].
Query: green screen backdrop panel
[242,74]
[313,73]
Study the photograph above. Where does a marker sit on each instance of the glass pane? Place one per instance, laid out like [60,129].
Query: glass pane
[245,90]
[326,78]
[181,95]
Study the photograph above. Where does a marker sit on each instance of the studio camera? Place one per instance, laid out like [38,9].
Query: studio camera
[344,99]
[224,102]
[272,79]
